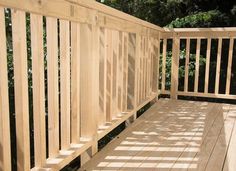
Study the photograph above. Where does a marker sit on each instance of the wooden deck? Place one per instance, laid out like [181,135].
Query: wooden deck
[174,135]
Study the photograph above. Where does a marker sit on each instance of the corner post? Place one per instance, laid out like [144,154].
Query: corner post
[175,66]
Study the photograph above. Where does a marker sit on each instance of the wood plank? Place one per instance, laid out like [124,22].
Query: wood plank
[75,82]
[108,53]
[216,161]
[53,101]
[125,71]
[163,77]
[218,64]
[207,65]
[38,89]
[209,118]
[65,83]
[120,73]
[208,95]
[21,90]
[94,163]
[115,41]
[175,67]
[102,77]
[131,70]
[88,61]
[197,65]
[5,149]
[209,141]
[187,65]
[230,159]
[229,67]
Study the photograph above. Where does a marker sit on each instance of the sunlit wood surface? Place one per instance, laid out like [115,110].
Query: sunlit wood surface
[174,135]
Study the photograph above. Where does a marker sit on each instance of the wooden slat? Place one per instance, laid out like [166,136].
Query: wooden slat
[21,90]
[137,65]
[102,78]
[131,70]
[75,82]
[38,89]
[163,78]
[218,66]
[155,63]
[108,54]
[187,65]
[89,80]
[120,73]
[114,77]
[197,65]
[216,161]
[65,83]
[175,67]
[229,67]
[53,101]
[125,71]
[207,65]
[5,151]
[230,159]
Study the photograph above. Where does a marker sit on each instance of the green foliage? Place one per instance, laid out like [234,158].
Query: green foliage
[212,18]
[182,59]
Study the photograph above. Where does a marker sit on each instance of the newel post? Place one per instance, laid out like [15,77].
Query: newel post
[175,66]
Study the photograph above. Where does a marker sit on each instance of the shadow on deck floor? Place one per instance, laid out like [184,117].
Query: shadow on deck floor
[174,135]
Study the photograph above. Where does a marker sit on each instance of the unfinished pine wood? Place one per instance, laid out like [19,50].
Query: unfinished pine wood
[21,89]
[109,65]
[75,82]
[38,89]
[115,41]
[102,78]
[175,67]
[88,61]
[131,70]
[65,83]
[197,65]
[125,72]
[187,65]
[218,64]
[53,99]
[174,135]
[229,67]
[163,77]
[5,151]
[207,65]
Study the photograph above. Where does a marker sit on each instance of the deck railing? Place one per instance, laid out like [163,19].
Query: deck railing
[81,69]
[215,81]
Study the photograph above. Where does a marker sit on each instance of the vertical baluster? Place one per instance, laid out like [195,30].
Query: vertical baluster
[197,65]
[21,90]
[208,56]
[108,54]
[53,101]
[65,83]
[187,65]
[5,150]
[75,82]
[38,89]
[218,66]
[229,68]
[163,80]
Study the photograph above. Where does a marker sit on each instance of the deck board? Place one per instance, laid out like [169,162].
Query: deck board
[174,135]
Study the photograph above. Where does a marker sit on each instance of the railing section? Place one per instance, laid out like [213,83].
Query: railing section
[77,69]
[201,62]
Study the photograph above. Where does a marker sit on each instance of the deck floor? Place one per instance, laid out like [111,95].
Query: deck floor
[174,135]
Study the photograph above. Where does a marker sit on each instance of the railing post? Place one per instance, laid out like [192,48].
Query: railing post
[175,66]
